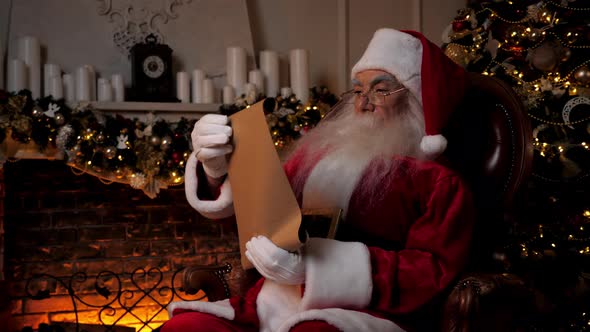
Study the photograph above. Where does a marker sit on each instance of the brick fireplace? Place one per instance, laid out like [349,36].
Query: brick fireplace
[67,225]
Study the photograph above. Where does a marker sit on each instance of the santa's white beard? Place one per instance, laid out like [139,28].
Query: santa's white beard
[349,142]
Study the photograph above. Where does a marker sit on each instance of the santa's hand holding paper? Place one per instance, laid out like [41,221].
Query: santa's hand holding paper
[211,143]
[275,263]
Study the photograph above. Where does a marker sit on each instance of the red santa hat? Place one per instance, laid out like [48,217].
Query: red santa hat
[436,81]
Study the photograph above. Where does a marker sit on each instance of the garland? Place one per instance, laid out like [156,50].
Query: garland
[146,155]
[286,116]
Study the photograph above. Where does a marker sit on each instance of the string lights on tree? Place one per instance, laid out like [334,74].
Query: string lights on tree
[542,49]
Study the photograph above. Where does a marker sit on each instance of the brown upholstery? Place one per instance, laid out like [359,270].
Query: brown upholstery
[490,145]
[490,141]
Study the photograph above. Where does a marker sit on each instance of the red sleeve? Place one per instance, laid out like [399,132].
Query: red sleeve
[436,251]
[203,191]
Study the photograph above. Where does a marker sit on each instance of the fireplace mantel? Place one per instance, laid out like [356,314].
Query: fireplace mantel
[133,106]
[167,111]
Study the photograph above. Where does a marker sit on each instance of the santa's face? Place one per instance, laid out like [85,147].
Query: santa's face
[371,125]
[378,92]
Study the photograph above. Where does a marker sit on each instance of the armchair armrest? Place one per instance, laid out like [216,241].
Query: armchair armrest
[488,302]
[209,279]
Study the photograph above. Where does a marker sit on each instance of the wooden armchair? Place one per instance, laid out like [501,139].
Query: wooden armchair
[490,144]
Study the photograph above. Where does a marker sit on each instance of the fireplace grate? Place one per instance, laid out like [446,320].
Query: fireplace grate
[110,300]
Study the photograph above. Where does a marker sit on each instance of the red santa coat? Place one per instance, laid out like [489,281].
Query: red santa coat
[398,254]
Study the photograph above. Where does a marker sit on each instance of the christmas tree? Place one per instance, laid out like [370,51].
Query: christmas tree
[542,49]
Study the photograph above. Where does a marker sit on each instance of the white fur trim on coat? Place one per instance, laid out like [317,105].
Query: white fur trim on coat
[222,207]
[276,303]
[222,309]
[337,274]
[344,320]
[433,146]
[397,53]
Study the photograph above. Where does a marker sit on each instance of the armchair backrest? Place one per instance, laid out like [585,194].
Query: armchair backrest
[490,144]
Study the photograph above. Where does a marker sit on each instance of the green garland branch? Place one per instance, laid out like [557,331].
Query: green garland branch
[147,155]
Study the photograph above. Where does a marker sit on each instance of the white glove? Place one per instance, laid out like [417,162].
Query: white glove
[275,263]
[211,143]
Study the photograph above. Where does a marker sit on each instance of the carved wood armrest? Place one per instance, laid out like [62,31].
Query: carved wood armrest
[488,302]
[209,279]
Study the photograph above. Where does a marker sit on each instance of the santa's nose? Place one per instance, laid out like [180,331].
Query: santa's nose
[364,105]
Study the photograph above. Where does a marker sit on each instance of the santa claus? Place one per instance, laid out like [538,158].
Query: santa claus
[408,219]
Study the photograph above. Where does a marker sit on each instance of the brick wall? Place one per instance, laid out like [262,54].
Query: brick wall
[60,223]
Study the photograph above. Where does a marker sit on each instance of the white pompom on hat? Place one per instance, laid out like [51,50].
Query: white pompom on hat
[436,81]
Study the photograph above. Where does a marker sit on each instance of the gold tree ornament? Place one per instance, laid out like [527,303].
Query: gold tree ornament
[459,54]
[582,76]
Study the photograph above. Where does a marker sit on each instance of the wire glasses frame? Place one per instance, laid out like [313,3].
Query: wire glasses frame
[376,98]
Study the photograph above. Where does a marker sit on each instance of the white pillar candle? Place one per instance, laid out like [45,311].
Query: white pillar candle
[208,91]
[118,87]
[236,69]
[82,84]
[286,92]
[50,70]
[197,86]
[182,87]
[17,75]
[105,92]
[92,77]
[56,88]
[249,88]
[269,65]
[69,87]
[257,78]
[229,95]
[299,73]
[30,52]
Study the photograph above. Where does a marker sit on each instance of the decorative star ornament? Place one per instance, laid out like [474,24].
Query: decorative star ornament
[52,109]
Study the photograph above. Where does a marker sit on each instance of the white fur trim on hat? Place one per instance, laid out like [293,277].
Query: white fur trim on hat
[433,146]
[221,308]
[220,208]
[337,274]
[397,53]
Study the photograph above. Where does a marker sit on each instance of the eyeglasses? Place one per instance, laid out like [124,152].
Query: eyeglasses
[375,97]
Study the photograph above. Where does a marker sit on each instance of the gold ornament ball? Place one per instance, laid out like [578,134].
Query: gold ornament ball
[110,152]
[458,54]
[582,75]
[59,119]
[544,57]
[165,144]
[99,138]
[37,111]
[155,140]
[119,173]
